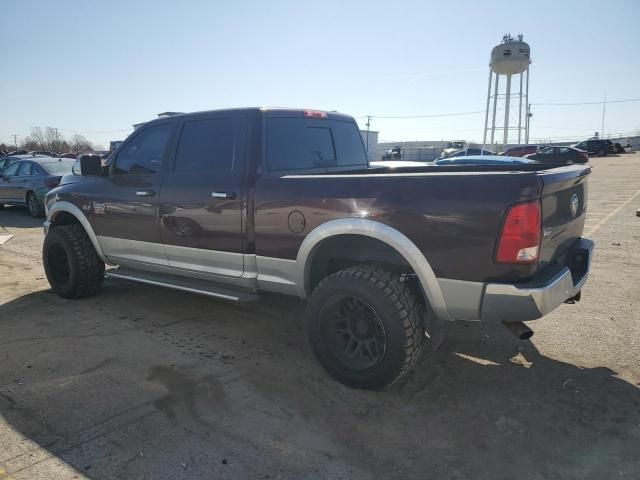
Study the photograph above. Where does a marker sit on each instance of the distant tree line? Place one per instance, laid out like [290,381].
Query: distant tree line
[51,140]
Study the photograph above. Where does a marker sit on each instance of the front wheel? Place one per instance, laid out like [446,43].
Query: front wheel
[365,327]
[72,265]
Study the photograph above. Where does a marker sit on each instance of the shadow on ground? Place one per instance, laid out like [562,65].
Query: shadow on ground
[13,216]
[141,382]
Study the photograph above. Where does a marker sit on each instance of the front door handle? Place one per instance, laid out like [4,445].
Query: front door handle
[227,195]
[145,193]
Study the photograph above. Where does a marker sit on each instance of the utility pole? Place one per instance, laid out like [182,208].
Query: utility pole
[15,140]
[604,103]
[368,125]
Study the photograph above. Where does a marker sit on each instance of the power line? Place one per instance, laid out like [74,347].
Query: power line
[589,103]
[426,116]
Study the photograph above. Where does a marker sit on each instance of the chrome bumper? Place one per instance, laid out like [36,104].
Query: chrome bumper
[534,299]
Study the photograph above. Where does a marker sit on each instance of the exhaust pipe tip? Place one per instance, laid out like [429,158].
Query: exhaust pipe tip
[519,329]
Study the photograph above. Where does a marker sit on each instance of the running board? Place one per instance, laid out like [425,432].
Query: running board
[201,287]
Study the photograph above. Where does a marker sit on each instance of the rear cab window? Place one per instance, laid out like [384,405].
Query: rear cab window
[295,143]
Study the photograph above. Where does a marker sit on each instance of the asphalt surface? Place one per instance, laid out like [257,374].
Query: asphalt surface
[142,382]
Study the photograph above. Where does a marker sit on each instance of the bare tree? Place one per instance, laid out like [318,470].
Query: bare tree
[35,139]
[53,139]
[79,144]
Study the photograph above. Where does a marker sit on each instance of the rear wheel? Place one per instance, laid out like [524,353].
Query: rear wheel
[602,153]
[365,327]
[34,205]
[72,265]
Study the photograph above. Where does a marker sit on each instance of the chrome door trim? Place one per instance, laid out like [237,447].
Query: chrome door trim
[117,249]
[216,262]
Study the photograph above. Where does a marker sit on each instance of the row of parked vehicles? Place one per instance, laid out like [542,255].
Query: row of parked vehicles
[576,153]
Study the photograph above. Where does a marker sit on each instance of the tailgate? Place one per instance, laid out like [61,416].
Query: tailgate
[564,197]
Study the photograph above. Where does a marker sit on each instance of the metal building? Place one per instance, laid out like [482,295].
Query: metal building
[511,57]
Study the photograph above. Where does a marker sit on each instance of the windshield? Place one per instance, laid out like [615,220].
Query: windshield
[62,167]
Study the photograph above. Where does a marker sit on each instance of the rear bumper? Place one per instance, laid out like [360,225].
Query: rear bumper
[539,296]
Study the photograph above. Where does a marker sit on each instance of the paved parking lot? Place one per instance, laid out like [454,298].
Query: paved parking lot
[142,382]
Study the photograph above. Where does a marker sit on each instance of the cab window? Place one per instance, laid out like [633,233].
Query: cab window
[145,152]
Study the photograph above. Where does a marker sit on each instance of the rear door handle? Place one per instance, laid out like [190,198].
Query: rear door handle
[227,195]
[145,193]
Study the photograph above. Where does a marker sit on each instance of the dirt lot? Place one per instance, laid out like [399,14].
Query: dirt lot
[142,382]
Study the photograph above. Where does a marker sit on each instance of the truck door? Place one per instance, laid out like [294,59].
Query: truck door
[201,201]
[124,206]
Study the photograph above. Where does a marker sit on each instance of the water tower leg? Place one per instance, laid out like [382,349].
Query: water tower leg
[506,112]
[486,115]
[527,119]
[520,112]
[495,104]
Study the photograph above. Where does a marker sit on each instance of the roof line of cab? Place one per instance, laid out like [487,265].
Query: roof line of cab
[268,111]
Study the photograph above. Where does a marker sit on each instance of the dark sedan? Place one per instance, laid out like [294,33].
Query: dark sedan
[566,155]
[26,182]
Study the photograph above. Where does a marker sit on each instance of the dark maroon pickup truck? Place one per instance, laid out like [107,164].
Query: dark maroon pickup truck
[230,203]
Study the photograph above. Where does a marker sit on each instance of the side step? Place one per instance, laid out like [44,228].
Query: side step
[176,282]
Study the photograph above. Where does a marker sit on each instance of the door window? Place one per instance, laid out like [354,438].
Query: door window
[564,150]
[11,170]
[26,169]
[144,153]
[206,146]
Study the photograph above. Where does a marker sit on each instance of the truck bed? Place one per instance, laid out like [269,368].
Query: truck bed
[453,214]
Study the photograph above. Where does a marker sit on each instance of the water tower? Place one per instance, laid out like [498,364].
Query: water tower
[510,57]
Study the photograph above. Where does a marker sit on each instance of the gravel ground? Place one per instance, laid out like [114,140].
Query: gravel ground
[142,382]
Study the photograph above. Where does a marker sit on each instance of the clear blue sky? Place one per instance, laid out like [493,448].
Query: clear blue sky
[102,66]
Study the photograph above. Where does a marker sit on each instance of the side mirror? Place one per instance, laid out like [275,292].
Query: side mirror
[90,165]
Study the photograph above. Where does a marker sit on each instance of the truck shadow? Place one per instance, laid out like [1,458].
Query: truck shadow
[14,216]
[142,382]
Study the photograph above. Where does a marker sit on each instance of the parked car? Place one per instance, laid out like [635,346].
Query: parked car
[595,147]
[453,146]
[392,154]
[567,155]
[483,160]
[25,182]
[520,151]
[231,203]
[44,153]
[469,151]
[6,161]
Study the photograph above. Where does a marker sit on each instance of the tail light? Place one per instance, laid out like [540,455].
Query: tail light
[52,182]
[584,155]
[315,114]
[519,240]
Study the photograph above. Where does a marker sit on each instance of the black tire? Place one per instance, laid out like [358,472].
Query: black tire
[602,153]
[72,265]
[36,210]
[365,305]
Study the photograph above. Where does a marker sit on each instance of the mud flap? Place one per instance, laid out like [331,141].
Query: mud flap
[434,329]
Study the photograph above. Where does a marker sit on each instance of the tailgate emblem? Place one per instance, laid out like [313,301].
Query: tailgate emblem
[574,203]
